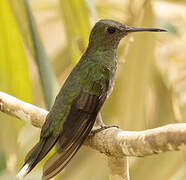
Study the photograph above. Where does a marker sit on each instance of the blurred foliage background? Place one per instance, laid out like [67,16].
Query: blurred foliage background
[42,40]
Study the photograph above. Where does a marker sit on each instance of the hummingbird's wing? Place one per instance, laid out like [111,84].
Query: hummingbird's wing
[76,128]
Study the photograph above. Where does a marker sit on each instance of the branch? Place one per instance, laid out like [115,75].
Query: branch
[119,168]
[113,142]
[22,110]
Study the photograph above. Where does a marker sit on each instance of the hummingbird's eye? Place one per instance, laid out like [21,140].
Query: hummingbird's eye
[111,29]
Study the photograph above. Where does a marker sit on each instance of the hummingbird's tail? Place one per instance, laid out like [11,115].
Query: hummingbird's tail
[36,154]
[70,140]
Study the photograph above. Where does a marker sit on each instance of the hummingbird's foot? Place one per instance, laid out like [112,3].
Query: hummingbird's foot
[94,131]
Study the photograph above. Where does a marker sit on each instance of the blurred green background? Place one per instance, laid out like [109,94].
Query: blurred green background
[40,43]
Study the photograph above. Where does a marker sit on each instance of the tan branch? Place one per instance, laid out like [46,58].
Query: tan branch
[118,143]
[119,168]
[22,110]
[113,142]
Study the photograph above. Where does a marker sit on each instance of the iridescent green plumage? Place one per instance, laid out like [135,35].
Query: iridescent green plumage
[76,106]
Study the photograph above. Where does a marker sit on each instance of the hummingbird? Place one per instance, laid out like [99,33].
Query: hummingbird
[80,99]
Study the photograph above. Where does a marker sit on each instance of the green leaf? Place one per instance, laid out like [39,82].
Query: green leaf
[92,8]
[14,77]
[47,76]
[2,161]
[77,26]
[21,19]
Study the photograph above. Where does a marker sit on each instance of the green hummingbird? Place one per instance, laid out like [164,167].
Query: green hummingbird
[79,101]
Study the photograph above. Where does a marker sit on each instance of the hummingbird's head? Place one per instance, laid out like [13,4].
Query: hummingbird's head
[107,33]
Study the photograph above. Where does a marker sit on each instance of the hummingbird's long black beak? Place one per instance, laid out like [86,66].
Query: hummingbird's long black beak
[134,29]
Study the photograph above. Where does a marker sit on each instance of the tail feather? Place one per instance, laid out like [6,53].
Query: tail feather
[36,154]
[62,157]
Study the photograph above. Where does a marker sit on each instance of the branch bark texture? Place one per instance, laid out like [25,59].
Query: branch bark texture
[113,142]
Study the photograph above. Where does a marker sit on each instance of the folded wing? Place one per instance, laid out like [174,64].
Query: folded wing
[76,128]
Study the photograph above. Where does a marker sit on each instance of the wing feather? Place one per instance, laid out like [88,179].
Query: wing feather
[78,125]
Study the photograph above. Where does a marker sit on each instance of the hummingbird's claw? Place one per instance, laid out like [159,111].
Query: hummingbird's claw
[94,131]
